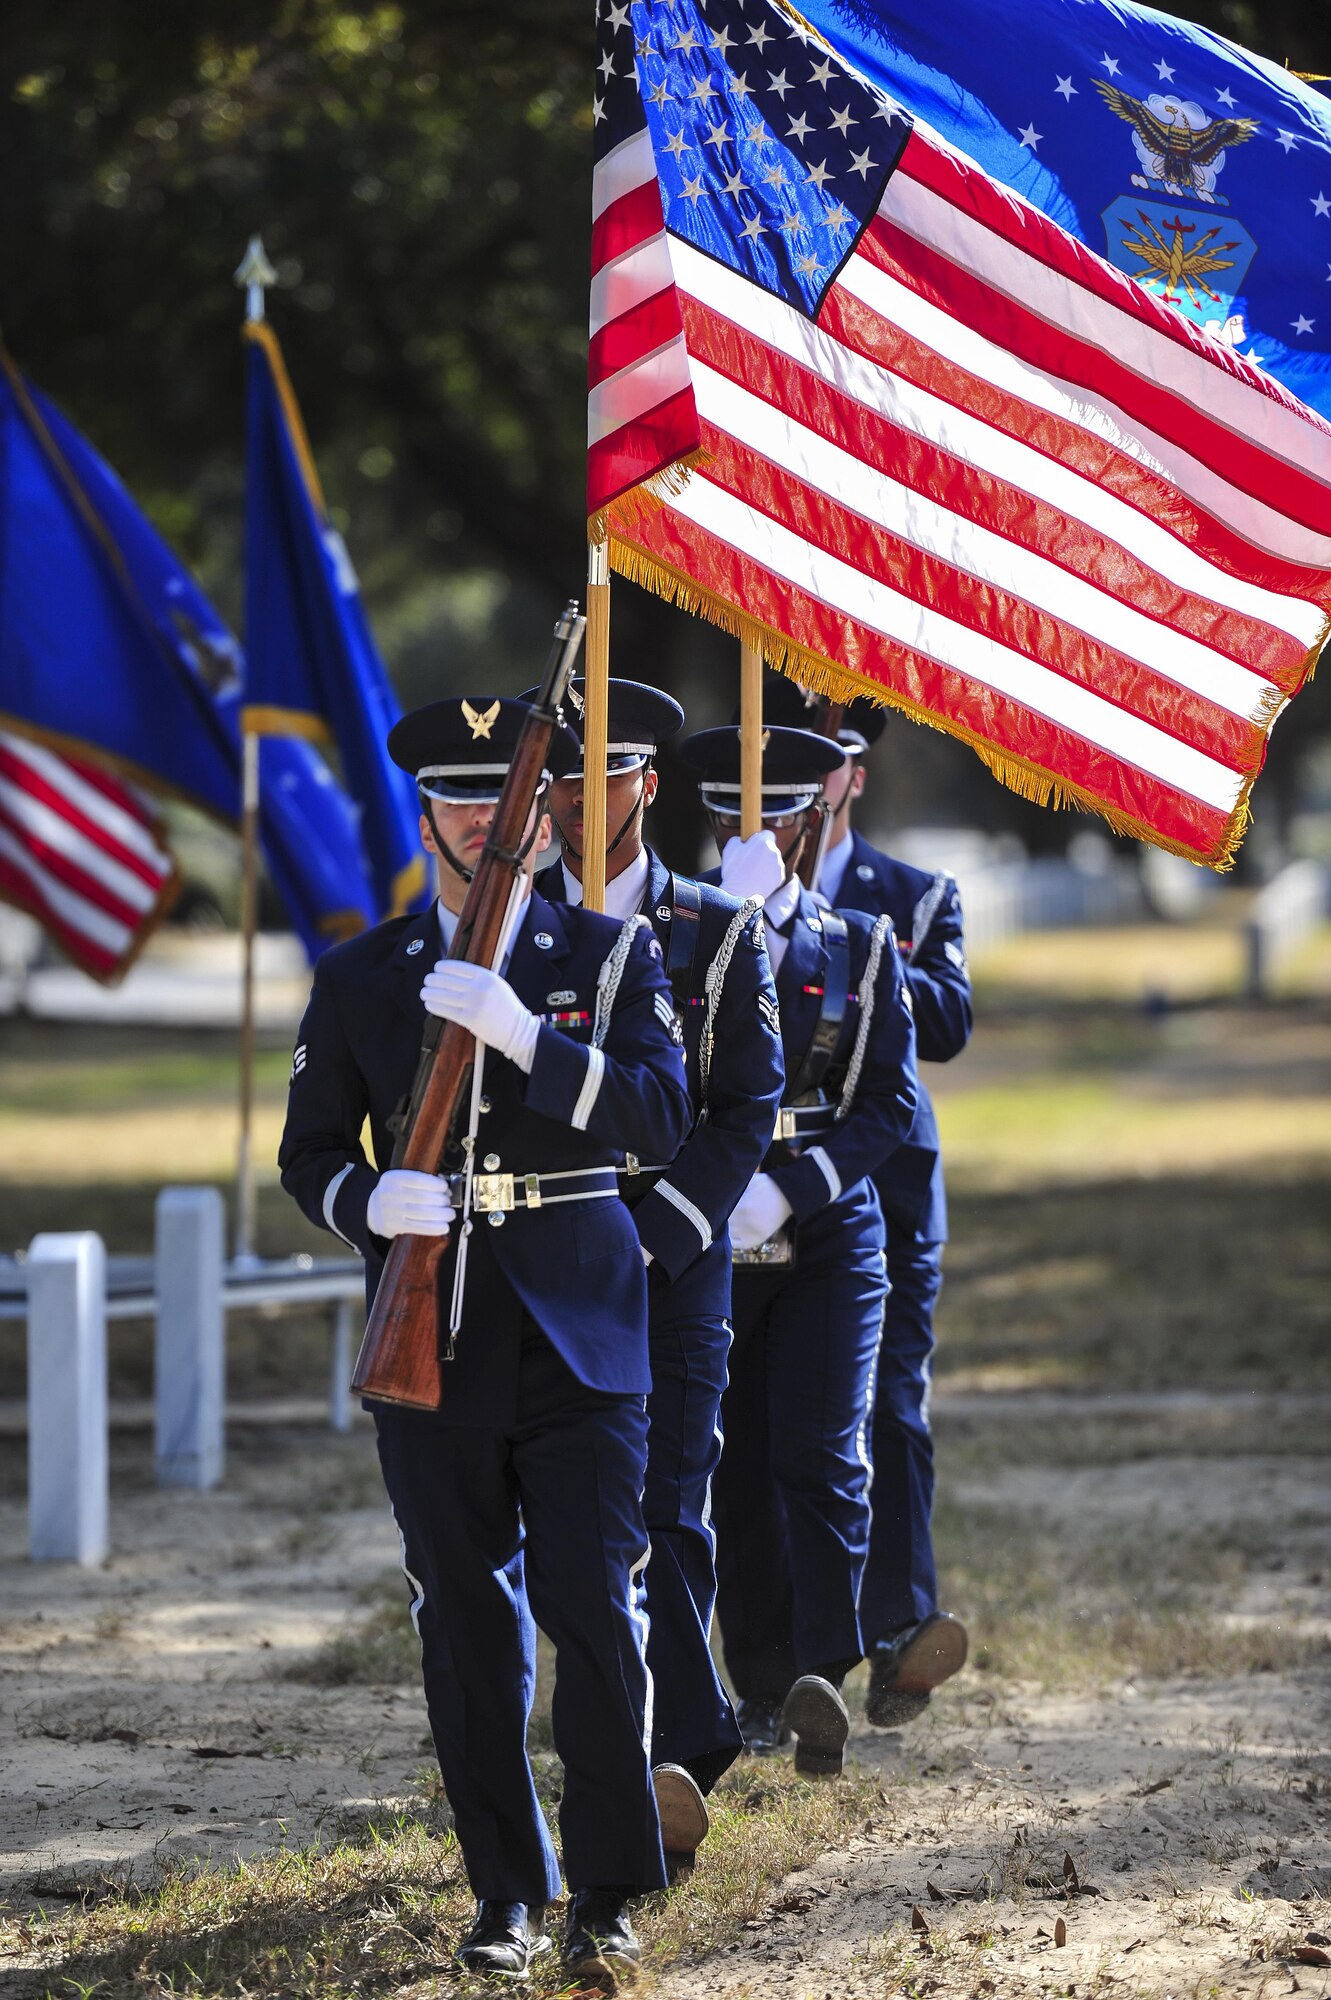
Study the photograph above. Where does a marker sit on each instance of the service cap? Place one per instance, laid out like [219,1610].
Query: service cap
[795,763]
[639,719]
[459,750]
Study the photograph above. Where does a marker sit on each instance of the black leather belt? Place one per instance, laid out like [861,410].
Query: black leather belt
[496,1193]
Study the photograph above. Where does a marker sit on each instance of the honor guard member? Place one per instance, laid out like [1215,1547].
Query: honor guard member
[722,988]
[519,1500]
[911,1644]
[792,1504]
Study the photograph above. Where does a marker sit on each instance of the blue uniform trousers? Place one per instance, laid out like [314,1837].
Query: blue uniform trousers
[792,1502]
[900,1582]
[537,1523]
[693,1722]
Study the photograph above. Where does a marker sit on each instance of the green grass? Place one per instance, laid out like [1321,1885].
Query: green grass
[379,1908]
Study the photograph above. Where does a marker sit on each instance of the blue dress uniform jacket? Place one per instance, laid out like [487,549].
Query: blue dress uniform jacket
[926,914]
[681,1219]
[900,1578]
[519,1501]
[575,1267]
[682,1215]
[792,1506]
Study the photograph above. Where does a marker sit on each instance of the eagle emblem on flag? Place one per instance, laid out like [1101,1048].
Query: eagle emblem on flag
[1180,148]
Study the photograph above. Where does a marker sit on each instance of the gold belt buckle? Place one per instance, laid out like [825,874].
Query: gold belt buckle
[787,1126]
[491,1192]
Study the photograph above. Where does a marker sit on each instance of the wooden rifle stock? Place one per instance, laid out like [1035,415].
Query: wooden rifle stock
[399,1356]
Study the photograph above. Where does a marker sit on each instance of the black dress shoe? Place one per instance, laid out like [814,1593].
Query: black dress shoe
[905,1669]
[819,1720]
[761,1726]
[504,1938]
[599,1943]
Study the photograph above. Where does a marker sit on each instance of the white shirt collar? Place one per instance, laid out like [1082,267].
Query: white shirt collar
[623,896]
[832,872]
[781,905]
[448,923]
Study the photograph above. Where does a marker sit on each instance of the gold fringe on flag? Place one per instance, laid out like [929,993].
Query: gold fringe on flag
[843,684]
[648,498]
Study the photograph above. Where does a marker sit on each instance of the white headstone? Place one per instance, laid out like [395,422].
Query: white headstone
[190,1378]
[67,1448]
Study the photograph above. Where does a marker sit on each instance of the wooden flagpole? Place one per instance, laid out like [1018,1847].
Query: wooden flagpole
[594,726]
[255,274]
[750,740]
[249,908]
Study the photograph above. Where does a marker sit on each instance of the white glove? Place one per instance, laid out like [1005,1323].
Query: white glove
[480,1000]
[759,1213]
[647,1257]
[752,867]
[409,1204]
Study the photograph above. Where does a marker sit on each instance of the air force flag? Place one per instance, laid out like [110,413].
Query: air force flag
[1201,170]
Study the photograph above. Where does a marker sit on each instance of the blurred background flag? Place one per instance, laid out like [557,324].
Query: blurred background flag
[83,853]
[312,669]
[113,659]
[1199,169]
[860,404]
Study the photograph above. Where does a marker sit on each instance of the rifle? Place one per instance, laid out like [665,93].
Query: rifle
[825,718]
[399,1356]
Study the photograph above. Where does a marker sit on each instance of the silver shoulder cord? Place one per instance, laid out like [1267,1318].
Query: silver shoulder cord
[927,909]
[715,985]
[608,978]
[867,993]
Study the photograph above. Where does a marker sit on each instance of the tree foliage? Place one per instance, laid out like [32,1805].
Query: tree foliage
[421,176]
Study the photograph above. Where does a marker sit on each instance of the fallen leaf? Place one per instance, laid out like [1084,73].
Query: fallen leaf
[1060,1932]
[1311,1954]
[1160,1785]
[1070,1875]
[918,1920]
[1136,1945]
[937,1895]
[1316,1937]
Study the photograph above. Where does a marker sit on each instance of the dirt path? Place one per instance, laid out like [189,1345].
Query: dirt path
[147,1716]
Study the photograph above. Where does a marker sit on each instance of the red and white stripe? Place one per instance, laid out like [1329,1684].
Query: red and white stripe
[81,852]
[996,478]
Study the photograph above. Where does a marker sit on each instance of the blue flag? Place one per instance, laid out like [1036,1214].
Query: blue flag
[1201,170]
[311,665]
[108,645]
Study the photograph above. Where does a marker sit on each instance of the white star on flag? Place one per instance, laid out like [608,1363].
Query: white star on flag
[1066,89]
[1107,62]
[1321,206]
[1030,137]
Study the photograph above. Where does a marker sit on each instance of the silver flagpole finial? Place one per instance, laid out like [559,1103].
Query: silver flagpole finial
[256,274]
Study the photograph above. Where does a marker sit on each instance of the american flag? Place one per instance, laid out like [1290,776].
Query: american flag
[854,400]
[81,851]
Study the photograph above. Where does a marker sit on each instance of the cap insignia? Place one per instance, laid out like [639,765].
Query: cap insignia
[480,723]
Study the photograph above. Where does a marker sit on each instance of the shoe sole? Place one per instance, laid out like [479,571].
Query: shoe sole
[817,1718]
[937,1651]
[681,1809]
